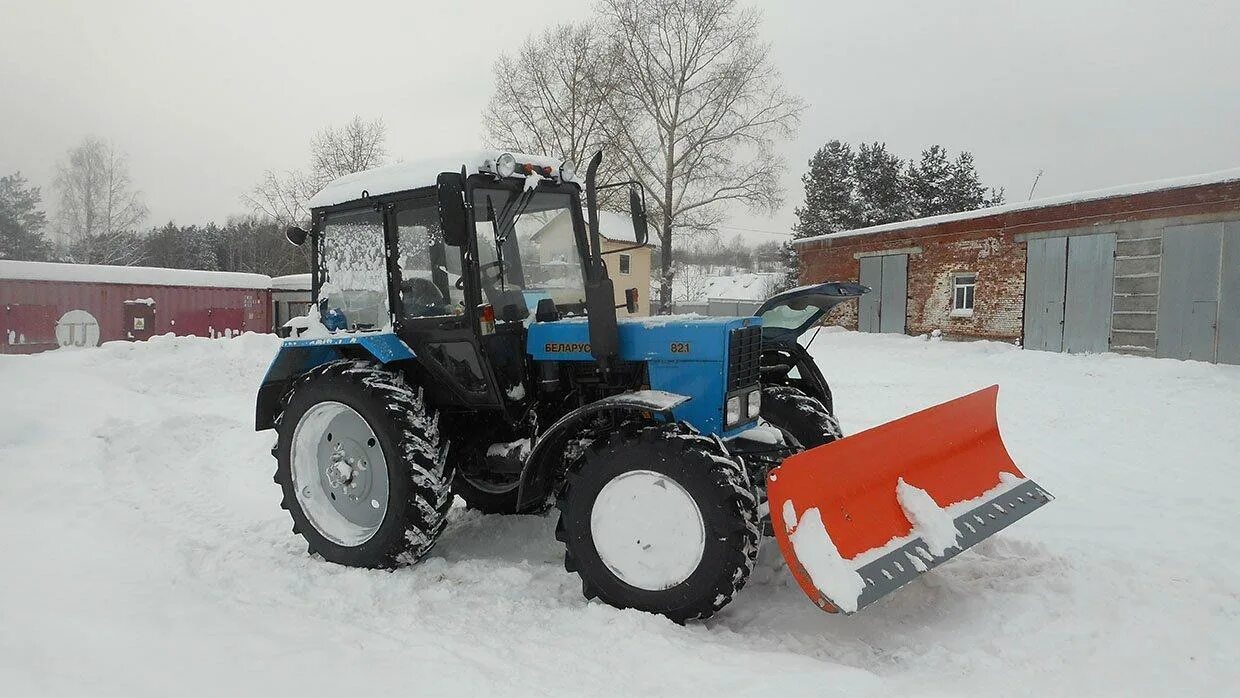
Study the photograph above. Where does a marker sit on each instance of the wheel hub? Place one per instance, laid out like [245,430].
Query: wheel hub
[339,473]
[648,530]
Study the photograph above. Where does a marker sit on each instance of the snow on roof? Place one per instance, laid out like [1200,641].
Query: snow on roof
[291,282]
[402,176]
[740,287]
[150,276]
[617,227]
[1220,177]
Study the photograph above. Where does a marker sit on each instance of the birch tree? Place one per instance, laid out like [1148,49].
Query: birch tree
[334,152]
[99,208]
[695,110]
[550,95]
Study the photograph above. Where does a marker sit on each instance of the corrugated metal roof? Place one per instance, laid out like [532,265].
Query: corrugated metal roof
[149,276]
[1220,177]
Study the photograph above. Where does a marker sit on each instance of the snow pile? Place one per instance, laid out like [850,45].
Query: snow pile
[402,176]
[146,553]
[932,523]
[830,572]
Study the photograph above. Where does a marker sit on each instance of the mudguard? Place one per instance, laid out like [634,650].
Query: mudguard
[296,356]
[537,477]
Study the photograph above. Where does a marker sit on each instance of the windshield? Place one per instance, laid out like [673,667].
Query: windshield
[527,251]
[784,317]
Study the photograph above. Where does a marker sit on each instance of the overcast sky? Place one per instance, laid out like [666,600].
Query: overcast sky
[205,96]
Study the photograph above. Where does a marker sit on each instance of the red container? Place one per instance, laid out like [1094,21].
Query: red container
[45,305]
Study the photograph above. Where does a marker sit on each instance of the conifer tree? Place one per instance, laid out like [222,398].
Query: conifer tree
[882,186]
[21,221]
[830,205]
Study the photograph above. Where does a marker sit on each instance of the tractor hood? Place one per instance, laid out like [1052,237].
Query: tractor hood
[786,316]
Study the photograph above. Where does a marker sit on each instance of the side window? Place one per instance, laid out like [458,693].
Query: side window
[353,272]
[626,263]
[963,288]
[429,269]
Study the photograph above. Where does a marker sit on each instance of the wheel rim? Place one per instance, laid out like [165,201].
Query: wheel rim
[339,473]
[648,530]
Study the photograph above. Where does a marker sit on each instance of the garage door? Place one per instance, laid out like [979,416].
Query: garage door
[885,307]
[1199,296]
[1069,282]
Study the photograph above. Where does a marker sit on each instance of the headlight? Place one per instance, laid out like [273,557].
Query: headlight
[568,171]
[732,415]
[755,404]
[505,165]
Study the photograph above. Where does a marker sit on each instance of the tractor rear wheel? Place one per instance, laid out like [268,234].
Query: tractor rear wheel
[659,519]
[360,466]
[807,419]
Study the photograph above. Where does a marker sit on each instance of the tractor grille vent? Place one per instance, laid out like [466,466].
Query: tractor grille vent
[744,356]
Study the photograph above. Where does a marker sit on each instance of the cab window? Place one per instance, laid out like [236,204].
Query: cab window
[429,269]
[353,290]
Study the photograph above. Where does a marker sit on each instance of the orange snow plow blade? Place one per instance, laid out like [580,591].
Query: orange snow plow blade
[858,518]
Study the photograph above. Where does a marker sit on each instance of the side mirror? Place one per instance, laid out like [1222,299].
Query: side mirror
[630,300]
[451,190]
[637,206]
[296,235]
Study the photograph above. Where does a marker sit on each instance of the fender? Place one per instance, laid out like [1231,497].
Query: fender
[538,475]
[811,380]
[296,356]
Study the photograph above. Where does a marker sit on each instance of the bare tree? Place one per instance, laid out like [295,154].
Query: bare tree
[696,108]
[334,152]
[283,197]
[356,146]
[549,97]
[99,210]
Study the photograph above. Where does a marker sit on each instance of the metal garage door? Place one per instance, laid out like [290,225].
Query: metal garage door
[1045,273]
[1194,317]
[1229,290]
[1068,293]
[1090,293]
[884,308]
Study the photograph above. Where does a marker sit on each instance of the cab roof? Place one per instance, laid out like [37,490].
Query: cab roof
[403,176]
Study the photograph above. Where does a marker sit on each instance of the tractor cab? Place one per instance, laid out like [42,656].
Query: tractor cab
[459,267]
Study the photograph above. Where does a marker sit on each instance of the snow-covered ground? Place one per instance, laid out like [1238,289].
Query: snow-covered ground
[145,555]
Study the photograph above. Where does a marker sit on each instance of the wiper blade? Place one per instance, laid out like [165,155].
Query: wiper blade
[499,246]
[512,212]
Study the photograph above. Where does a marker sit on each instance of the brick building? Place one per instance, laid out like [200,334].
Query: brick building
[1150,269]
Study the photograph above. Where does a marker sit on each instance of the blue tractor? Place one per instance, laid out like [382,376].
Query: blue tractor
[465,339]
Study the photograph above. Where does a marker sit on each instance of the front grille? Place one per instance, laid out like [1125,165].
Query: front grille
[744,357]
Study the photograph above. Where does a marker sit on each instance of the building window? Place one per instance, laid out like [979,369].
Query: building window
[626,263]
[963,287]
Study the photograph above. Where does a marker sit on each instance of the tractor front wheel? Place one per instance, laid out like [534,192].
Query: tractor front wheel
[360,466]
[806,418]
[661,520]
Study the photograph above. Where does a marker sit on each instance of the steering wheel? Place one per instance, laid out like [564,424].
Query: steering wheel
[460,283]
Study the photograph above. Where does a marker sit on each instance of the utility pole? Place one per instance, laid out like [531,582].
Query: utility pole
[1035,184]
